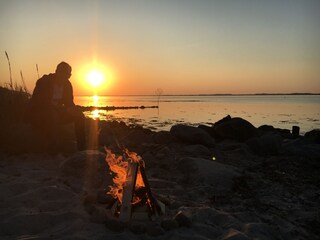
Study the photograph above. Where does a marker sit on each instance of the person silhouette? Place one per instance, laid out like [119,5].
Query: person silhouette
[51,105]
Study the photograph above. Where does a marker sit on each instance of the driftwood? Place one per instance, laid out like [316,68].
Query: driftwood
[112,108]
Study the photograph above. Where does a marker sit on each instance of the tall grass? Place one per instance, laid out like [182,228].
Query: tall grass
[24,86]
[13,99]
[13,104]
[11,84]
[37,70]
[14,136]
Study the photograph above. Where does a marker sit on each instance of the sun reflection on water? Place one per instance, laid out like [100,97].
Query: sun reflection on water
[95,113]
[95,100]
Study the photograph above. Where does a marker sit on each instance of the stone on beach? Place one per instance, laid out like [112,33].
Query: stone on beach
[267,183]
[267,144]
[86,170]
[234,128]
[192,135]
[217,177]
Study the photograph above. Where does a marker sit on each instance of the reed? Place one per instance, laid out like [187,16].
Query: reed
[11,84]
[37,70]
[14,135]
[13,104]
[13,99]
[24,86]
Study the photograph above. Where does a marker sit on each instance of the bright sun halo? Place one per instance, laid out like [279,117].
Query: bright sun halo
[95,77]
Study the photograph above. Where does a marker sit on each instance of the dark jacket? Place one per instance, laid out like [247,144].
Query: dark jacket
[41,99]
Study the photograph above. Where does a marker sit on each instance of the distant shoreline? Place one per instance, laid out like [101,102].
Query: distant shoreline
[211,94]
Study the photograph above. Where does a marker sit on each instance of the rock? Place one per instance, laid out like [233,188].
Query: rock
[234,234]
[87,171]
[99,215]
[268,129]
[208,129]
[215,218]
[89,199]
[103,197]
[285,133]
[115,225]
[154,231]
[137,137]
[300,148]
[196,150]
[260,231]
[219,178]
[268,144]
[182,219]
[163,152]
[191,134]
[169,224]
[110,132]
[295,131]
[207,231]
[163,137]
[313,136]
[234,128]
[137,228]
[35,224]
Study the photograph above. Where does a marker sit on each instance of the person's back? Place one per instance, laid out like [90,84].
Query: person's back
[51,105]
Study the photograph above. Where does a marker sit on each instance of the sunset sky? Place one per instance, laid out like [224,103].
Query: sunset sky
[180,46]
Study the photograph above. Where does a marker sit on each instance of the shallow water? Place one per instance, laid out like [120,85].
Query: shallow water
[282,111]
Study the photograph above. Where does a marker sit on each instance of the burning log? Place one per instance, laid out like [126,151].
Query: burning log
[128,190]
[131,187]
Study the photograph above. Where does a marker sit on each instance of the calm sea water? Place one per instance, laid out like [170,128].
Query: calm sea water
[282,111]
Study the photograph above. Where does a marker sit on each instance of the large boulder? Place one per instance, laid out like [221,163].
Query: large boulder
[86,171]
[136,137]
[267,129]
[110,132]
[303,148]
[192,135]
[268,144]
[196,150]
[234,128]
[313,136]
[162,137]
[218,178]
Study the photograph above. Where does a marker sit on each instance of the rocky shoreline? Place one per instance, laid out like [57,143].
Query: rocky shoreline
[225,181]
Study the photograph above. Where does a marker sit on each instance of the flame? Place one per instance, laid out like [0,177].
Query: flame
[119,166]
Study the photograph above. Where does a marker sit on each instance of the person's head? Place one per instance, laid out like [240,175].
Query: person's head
[63,71]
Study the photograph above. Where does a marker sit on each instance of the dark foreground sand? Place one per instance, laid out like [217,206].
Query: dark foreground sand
[222,189]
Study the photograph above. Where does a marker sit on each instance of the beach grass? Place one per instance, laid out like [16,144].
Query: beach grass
[13,105]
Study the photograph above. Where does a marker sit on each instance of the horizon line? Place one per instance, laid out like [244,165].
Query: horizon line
[204,94]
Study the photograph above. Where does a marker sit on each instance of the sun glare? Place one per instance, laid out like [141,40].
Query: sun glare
[95,78]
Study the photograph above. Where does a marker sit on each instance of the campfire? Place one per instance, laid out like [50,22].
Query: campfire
[131,190]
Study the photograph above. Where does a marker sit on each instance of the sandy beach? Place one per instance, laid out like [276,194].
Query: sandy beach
[212,188]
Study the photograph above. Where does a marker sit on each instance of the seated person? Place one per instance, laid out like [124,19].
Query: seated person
[52,105]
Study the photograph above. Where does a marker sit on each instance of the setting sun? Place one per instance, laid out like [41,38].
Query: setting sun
[95,78]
